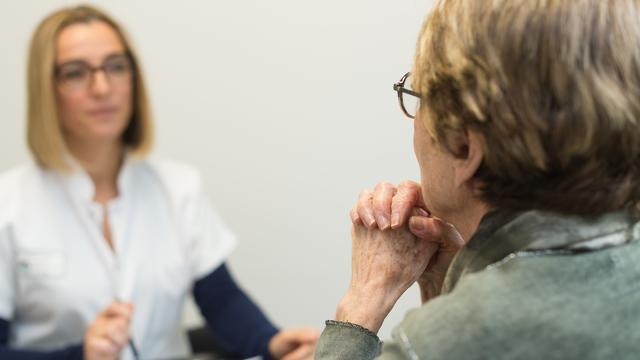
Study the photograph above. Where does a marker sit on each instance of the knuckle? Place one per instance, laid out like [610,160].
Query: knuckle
[362,212]
[402,197]
[408,184]
[362,203]
[382,185]
[380,204]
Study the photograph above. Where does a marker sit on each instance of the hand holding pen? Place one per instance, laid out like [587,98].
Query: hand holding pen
[109,333]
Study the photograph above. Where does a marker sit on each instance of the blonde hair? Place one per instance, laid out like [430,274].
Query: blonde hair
[553,87]
[44,131]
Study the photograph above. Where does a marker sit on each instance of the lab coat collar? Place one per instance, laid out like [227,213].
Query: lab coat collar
[80,186]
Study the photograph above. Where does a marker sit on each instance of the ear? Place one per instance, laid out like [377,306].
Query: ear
[466,166]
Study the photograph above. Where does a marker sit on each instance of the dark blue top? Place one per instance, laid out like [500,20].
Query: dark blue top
[238,324]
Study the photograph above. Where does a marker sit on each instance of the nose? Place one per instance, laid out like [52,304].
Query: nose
[100,85]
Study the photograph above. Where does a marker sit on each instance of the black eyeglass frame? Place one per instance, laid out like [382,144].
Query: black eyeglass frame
[131,68]
[400,89]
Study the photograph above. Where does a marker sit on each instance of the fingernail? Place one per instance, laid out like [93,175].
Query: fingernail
[395,220]
[355,218]
[383,223]
[370,221]
[424,212]
[417,226]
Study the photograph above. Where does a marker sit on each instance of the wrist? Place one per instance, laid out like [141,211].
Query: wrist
[365,308]
[269,351]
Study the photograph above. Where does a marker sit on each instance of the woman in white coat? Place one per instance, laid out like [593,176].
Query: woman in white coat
[100,245]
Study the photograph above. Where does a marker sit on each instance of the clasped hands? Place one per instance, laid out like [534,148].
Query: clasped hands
[395,243]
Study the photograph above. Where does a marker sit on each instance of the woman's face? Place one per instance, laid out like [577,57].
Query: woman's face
[94,105]
[436,173]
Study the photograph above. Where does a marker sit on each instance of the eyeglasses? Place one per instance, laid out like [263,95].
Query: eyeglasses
[409,99]
[77,75]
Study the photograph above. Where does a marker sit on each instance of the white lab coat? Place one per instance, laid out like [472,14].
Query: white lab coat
[57,272]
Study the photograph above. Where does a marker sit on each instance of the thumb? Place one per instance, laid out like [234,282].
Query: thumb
[117,309]
[288,340]
[300,335]
[426,228]
[305,335]
[435,230]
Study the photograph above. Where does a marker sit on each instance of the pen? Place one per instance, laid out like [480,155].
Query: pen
[134,349]
[120,298]
[132,345]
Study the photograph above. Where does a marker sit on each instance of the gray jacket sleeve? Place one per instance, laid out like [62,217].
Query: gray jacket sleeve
[342,341]
[475,322]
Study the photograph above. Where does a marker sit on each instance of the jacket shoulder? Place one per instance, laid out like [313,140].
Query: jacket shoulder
[532,307]
[181,181]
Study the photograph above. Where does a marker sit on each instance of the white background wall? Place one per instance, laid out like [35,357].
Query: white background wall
[285,106]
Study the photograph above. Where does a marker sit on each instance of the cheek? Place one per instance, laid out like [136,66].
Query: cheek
[432,190]
[125,94]
[69,108]
[417,142]
[125,98]
[422,146]
[427,171]
[435,176]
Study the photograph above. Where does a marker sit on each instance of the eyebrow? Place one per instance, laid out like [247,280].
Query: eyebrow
[81,61]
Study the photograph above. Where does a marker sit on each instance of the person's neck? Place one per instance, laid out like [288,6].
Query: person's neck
[102,161]
[467,223]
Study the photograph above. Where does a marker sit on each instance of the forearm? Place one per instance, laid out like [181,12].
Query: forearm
[237,322]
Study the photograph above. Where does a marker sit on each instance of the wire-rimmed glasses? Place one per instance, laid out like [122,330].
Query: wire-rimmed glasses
[409,99]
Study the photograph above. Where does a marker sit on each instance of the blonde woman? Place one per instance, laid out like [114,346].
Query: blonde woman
[523,234]
[99,245]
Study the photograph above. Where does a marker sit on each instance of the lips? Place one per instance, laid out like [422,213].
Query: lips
[103,111]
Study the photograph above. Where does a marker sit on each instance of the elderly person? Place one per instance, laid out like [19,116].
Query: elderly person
[523,234]
[100,244]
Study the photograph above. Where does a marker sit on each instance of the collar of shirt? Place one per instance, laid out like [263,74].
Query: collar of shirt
[504,234]
[79,184]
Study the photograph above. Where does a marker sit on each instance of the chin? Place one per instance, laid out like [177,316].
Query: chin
[105,135]
[107,130]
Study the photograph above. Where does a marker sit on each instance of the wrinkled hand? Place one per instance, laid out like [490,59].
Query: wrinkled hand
[385,263]
[389,206]
[294,344]
[109,333]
